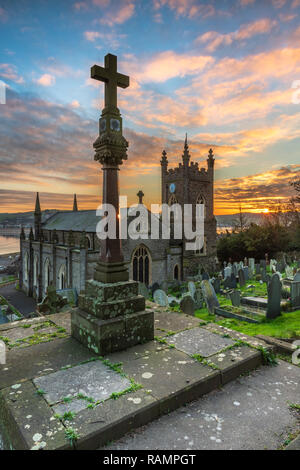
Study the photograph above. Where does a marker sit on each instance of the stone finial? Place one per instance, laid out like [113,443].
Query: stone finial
[22,234]
[75,206]
[210,158]
[164,160]
[140,195]
[31,236]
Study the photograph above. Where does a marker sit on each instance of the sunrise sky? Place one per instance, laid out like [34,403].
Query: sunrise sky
[222,71]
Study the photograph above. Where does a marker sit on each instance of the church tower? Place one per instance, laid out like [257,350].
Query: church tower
[189,184]
[37,218]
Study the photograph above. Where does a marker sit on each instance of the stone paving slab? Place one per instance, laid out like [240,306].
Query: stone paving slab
[199,341]
[174,322]
[62,320]
[251,413]
[169,379]
[40,359]
[93,379]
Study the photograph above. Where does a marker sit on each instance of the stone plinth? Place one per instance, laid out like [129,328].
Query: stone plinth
[112,317]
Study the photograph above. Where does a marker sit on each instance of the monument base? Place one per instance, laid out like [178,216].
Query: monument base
[111,272]
[112,317]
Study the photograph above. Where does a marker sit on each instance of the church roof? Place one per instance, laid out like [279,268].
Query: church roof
[77,221]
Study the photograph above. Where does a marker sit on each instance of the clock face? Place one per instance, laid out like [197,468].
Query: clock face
[115,124]
[102,125]
[172,188]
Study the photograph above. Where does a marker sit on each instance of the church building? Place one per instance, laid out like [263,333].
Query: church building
[64,249]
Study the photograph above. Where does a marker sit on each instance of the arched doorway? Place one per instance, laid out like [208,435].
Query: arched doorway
[141,265]
[201,200]
[62,277]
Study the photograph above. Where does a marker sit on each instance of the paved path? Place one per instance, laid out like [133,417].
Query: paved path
[250,413]
[18,299]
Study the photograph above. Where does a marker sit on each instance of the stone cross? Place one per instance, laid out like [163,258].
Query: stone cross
[140,195]
[112,79]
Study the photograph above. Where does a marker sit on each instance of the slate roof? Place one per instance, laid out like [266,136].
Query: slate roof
[76,221]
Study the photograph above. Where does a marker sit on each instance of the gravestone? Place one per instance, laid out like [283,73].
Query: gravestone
[227,272]
[246,273]
[217,285]
[160,298]
[209,295]
[192,288]
[251,263]
[154,287]
[263,263]
[198,298]
[205,276]
[257,269]
[274,297]
[143,290]
[235,269]
[297,276]
[235,298]
[187,304]
[164,286]
[263,273]
[289,271]
[241,274]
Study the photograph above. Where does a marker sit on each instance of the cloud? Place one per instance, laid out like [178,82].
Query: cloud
[188,8]
[112,38]
[256,192]
[213,39]
[91,35]
[46,80]
[9,72]
[118,13]
[166,65]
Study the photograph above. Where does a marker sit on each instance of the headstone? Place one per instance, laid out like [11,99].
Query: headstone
[246,273]
[160,298]
[154,287]
[235,298]
[274,297]
[192,288]
[205,276]
[187,304]
[297,276]
[227,272]
[263,273]
[289,271]
[263,263]
[235,269]
[241,274]
[164,286]
[143,290]
[198,298]
[257,269]
[209,295]
[251,263]
[217,285]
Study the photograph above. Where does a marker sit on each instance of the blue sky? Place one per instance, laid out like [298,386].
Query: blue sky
[222,71]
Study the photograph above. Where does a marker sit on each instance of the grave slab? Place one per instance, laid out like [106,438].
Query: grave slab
[199,341]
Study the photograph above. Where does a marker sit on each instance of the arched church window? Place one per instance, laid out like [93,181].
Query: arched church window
[35,270]
[26,267]
[176,272]
[46,274]
[201,200]
[141,261]
[62,276]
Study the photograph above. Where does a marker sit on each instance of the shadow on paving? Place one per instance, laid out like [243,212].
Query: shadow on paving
[19,300]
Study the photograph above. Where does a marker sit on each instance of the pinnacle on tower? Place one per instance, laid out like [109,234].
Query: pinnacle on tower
[186,154]
[164,160]
[75,206]
[37,204]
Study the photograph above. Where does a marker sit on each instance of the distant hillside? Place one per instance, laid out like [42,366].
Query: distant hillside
[23,218]
[229,220]
[27,218]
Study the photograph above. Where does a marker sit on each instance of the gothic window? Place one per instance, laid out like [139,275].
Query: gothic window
[26,267]
[201,200]
[35,270]
[46,274]
[62,277]
[88,243]
[176,272]
[141,261]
